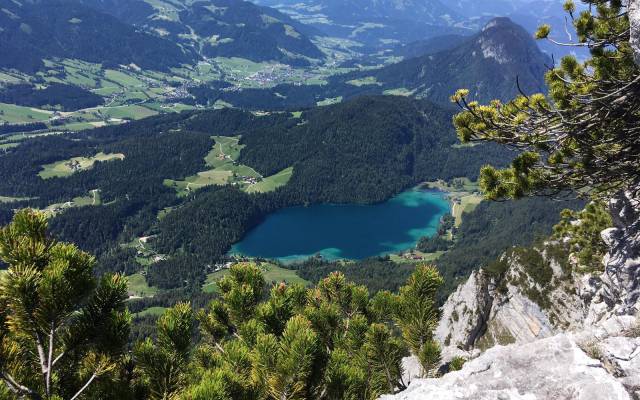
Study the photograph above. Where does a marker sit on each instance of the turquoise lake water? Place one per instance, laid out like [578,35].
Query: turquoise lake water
[346,231]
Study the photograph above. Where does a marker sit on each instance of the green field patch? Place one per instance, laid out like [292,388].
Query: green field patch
[151,311]
[138,287]
[163,108]
[399,92]
[202,179]
[465,204]
[367,81]
[224,168]
[107,90]
[415,257]
[66,168]
[7,146]
[271,183]
[13,114]
[328,102]
[6,78]
[464,194]
[132,112]
[123,79]
[92,199]
[5,199]
[272,274]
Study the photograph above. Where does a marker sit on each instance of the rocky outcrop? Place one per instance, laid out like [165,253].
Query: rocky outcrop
[466,313]
[620,290]
[634,18]
[554,368]
[528,294]
[570,335]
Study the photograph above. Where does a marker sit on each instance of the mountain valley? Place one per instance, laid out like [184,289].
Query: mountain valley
[319,199]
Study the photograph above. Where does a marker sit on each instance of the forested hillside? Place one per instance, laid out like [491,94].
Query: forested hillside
[32,32]
[220,28]
[364,151]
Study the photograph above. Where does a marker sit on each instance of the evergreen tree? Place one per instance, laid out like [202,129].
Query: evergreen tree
[329,342]
[61,332]
[585,134]
[417,315]
[163,364]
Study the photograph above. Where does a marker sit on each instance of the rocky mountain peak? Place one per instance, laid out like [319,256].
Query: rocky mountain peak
[506,42]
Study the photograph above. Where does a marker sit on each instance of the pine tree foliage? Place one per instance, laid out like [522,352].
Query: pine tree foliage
[585,134]
[163,364]
[61,332]
[582,231]
[329,342]
[417,315]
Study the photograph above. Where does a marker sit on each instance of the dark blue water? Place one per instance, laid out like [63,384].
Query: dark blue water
[346,231]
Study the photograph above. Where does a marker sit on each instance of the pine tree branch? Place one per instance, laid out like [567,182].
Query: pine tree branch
[17,388]
[86,385]
[50,360]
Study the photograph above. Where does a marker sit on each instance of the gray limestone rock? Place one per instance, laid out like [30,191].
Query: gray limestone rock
[553,368]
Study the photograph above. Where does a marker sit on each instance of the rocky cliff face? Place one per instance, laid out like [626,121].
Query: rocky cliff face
[528,294]
[620,290]
[568,334]
[634,17]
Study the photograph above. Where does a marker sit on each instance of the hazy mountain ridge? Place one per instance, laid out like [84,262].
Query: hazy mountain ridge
[33,31]
[220,27]
[117,32]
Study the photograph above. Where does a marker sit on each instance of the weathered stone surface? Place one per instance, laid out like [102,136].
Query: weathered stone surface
[621,358]
[466,313]
[634,17]
[620,291]
[515,308]
[553,368]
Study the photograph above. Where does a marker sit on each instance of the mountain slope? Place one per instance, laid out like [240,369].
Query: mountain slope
[488,64]
[229,28]
[31,32]
[432,11]
[375,22]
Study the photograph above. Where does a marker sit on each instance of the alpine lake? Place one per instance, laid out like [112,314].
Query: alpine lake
[346,231]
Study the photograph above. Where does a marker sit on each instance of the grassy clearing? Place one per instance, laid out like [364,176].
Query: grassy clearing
[367,81]
[127,112]
[224,169]
[13,114]
[399,92]
[328,102]
[123,79]
[7,146]
[5,199]
[66,168]
[271,183]
[151,311]
[272,274]
[10,79]
[421,257]
[202,179]
[464,194]
[138,287]
[92,199]
[466,205]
